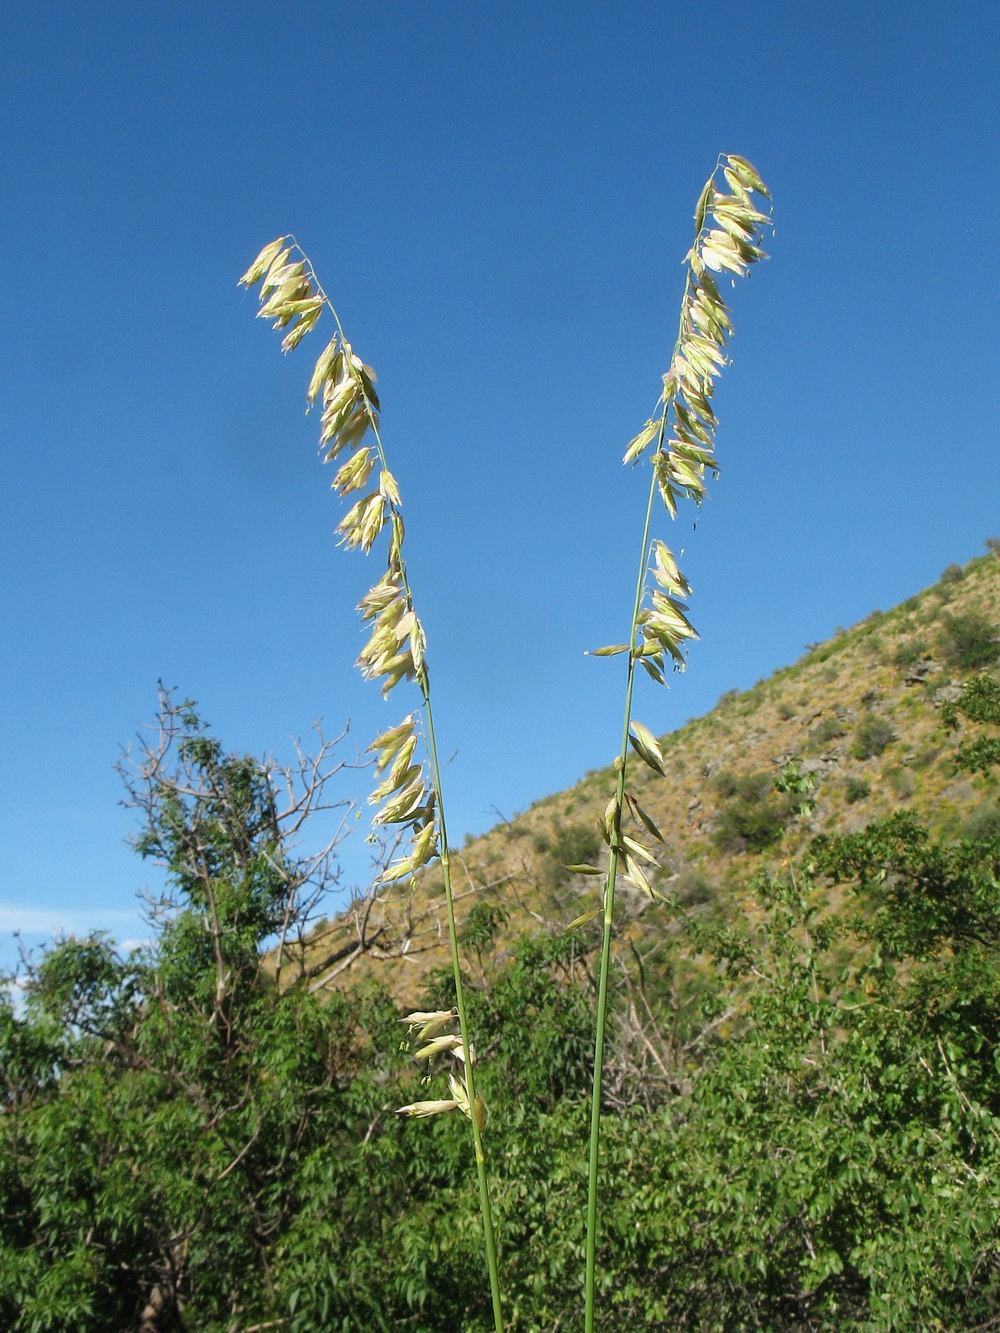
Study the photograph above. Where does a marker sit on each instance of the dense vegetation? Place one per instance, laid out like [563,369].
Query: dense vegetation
[802,1111]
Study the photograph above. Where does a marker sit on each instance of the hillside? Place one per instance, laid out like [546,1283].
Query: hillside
[858,716]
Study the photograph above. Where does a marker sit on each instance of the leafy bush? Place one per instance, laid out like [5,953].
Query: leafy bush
[909,652]
[970,641]
[827,730]
[691,889]
[751,822]
[725,783]
[856,789]
[953,574]
[902,781]
[749,787]
[568,844]
[982,823]
[872,735]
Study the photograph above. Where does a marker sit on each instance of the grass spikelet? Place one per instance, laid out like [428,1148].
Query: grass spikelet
[679,443]
[408,795]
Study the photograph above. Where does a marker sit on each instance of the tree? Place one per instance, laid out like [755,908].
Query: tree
[156,1106]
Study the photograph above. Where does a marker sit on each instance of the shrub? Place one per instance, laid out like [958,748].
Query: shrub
[873,734]
[745,827]
[909,652]
[992,545]
[786,712]
[982,823]
[856,789]
[568,844]
[902,781]
[753,787]
[953,574]
[692,889]
[751,822]
[726,783]
[829,729]
[970,641]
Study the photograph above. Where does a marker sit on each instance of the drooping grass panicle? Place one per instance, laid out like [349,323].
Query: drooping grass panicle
[408,794]
[679,442]
[291,295]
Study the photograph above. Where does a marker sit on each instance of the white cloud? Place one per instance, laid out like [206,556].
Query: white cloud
[49,921]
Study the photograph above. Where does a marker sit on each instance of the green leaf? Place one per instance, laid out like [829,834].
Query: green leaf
[582,920]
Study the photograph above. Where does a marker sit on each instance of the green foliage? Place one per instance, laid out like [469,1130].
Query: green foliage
[566,845]
[901,780]
[969,641]
[482,925]
[856,789]
[909,652]
[979,702]
[983,823]
[757,815]
[954,573]
[813,1147]
[871,736]
[829,729]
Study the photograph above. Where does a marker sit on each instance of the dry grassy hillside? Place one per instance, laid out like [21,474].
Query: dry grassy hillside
[859,715]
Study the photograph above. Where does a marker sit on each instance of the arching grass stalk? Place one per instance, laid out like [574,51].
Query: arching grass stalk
[408,797]
[680,446]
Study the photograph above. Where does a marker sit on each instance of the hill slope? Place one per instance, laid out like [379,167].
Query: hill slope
[858,716]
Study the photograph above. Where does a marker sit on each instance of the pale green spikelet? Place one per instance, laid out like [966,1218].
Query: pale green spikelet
[680,445]
[407,795]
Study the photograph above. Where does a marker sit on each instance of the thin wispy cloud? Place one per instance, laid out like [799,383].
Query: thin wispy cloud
[43,921]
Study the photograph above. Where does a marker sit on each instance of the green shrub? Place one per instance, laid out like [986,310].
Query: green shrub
[856,789]
[909,652]
[751,822]
[902,781]
[926,756]
[725,783]
[828,730]
[568,844]
[786,712]
[753,787]
[970,641]
[692,889]
[953,574]
[872,735]
[750,787]
[745,827]
[982,823]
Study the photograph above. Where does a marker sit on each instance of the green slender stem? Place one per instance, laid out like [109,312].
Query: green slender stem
[609,889]
[609,907]
[423,680]
[477,1135]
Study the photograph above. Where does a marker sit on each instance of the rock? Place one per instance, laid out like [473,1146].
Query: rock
[919,671]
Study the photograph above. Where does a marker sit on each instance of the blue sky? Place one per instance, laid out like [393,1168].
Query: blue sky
[498,197]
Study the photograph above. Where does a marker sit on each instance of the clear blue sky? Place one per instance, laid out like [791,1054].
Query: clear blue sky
[498,197]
